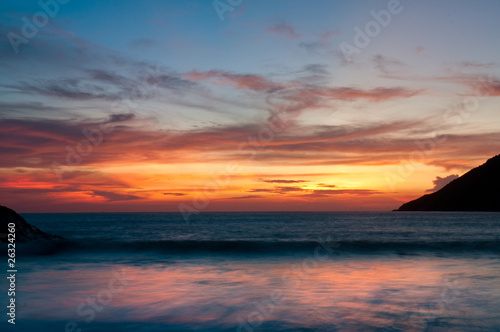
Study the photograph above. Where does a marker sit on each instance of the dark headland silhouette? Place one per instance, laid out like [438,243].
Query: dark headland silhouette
[23,230]
[476,190]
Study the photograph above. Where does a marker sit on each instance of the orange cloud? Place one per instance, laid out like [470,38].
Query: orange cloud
[40,144]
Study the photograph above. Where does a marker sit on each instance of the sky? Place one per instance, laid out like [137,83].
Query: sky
[243,105]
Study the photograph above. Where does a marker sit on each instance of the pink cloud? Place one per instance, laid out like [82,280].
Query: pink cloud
[284,29]
[240,81]
[327,35]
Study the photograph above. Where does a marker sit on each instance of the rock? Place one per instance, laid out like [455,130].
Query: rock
[476,190]
[24,231]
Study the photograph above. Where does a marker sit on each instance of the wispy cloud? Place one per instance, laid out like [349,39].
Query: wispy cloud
[292,98]
[388,65]
[327,185]
[67,88]
[113,196]
[240,81]
[332,192]
[327,35]
[104,85]
[285,30]
[304,192]
[316,69]
[143,43]
[477,65]
[284,181]
[40,142]
[261,84]
[277,190]
[120,117]
[245,197]
[83,186]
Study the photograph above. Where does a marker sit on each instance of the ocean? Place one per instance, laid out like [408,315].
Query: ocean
[280,271]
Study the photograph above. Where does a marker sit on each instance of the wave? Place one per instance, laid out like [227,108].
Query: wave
[277,247]
[238,247]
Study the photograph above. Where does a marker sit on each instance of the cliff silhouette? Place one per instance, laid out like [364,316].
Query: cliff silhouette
[24,231]
[476,190]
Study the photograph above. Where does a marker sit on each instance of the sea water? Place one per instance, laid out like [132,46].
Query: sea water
[309,271]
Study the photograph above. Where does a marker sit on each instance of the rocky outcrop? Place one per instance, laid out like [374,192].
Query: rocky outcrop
[24,231]
[476,190]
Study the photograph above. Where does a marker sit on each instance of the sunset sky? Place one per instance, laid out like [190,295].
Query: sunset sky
[243,105]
